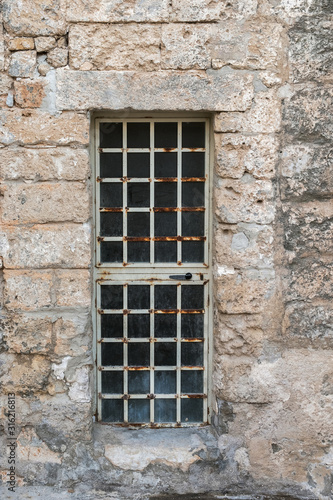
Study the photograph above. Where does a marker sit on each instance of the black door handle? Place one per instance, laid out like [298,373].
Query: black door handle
[186,276]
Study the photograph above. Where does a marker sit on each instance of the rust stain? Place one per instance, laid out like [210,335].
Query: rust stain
[110,209]
[137,368]
[193,179]
[192,340]
[151,396]
[196,396]
[100,311]
[98,179]
[177,209]
[166,179]
[168,150]
[126,397]
[100,238]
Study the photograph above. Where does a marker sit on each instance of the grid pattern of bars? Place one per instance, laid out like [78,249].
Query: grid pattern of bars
[152,347]
[151,178]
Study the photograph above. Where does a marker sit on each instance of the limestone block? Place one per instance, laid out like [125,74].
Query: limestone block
[34,17]
[44,68]
[244,200]
[290,10]
[73,288]
[212,10]
[243,245]
[22,63]
[264,117]
[32,449]
[238,154]
[308,228]
[5,83]
[307,62]
[39,203]
[305,115]
[246,292]
[238,335]
[117,46]
[187,46]
[2,48]
[27,290]
[44,164]
[73,334]
[57,57]
[310,280]
[250,46]
[25,374]
[306,171]
[29,334]
[21,43]
[34,127]
[45,43]
[161,90]
[312,322]
[29,93]
[108,11]
[41,246]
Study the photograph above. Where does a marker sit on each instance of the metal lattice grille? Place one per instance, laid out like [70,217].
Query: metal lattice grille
[152,196]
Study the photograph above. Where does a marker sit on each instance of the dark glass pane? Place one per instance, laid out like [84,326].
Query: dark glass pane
[193,164]
[165,354]
[165,223]
[139,382]
[193,223]
[192,353]
[193,134]
[192,297]
[191,410]
[112,410]
[111,165]
[111,194]
[138,135]
[139,354]
[165,164]
[193,194]
[138,194]
[165,194]
[111,224]
[112,326]
[165,135]
[165,382]
[111,135]
[138,251]
[165,297]
[192,326]
[165,410]
[112,383]
[165,325]
[166,251]
[138,165]
[111,251]
[139,411]
[111,296]
[138,325]
[138,224]
[112,354]
[192,382]
[192,251]
[138,296]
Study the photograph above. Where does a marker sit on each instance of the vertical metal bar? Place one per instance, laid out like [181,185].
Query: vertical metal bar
[178,371]
[125,344]
[152,358]
[124,189]
[179,189]
[205,374]
[98,187]
[206,255]
[99,347]
[152,192]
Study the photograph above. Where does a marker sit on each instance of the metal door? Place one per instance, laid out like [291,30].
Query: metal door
[152,270]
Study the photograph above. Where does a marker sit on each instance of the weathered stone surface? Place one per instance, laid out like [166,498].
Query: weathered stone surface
[22,43]
[247,48]
[22,63]
[312,322]
[39,284]
[31,449]
[5,83]
[243,245]
[246,292]
[208,10]
[238,335]
[42,246]
[34,17]
[44,164]
[2,48]
[108,11]
[33,127]
[29,93]
[187,46]
[311,48]
[45,43]
[306,172]
[25,374]
[289,10]
[39,203]
[44,68]
[219,90]
[305,115]
[72,334]
[244,200]
[309,228]
[57,57]
[264,117]
[73,288]
[238,154]
[122,47]
[29,334]
[310,280]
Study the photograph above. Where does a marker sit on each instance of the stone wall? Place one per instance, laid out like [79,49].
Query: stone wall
[263,69]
